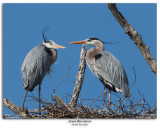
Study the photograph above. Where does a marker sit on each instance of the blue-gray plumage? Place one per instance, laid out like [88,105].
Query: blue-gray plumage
[106,66]
[37,64]
[110,70]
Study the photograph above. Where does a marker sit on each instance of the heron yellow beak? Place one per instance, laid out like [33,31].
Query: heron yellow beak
[58,46]
[78,42]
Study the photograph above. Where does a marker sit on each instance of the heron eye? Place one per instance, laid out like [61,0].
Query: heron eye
[89,40]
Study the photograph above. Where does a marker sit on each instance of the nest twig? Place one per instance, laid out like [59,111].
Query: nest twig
[120,109]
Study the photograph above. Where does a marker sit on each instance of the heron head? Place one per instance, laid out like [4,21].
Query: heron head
[93,41]
[52,45]
[89,41]
[49,43]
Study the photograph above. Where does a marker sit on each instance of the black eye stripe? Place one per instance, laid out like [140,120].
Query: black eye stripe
[93,38]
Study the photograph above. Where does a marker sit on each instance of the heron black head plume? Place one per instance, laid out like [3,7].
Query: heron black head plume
[93,38]
[111,42]
[43,33]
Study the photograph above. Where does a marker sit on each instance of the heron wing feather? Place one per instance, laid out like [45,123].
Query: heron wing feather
[35,66]
[109,68]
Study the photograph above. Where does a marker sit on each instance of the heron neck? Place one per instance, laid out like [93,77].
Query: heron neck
[94,51]
[99,47]
[54,55]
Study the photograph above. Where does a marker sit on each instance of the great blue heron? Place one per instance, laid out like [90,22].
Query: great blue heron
[37,63]
[106,67]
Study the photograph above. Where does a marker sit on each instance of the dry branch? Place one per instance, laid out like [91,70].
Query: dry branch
[16,109]
[121,108]
[134,36]
[62,104]
[79,78]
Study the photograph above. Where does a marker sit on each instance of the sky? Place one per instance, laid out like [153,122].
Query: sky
[22,31]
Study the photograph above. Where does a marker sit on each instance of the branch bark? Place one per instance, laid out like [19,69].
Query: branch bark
[134,36]
[16,109]
[62,104]
[79,78]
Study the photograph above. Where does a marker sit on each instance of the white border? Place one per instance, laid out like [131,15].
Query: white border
[79,1]
[64,123]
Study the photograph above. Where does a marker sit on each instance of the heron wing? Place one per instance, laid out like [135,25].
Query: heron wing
[110,69]
[35,66]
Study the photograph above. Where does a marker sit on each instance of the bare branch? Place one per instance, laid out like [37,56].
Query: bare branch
[62,80]
[133,109]
[16,109]
[62,104]
[134,79]
[79,78]
[134,36]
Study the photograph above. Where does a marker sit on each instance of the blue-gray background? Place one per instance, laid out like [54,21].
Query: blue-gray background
[22,30]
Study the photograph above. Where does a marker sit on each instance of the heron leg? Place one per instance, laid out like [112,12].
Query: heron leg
[104,98]
[24,99]
[109,103]
[39,99]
